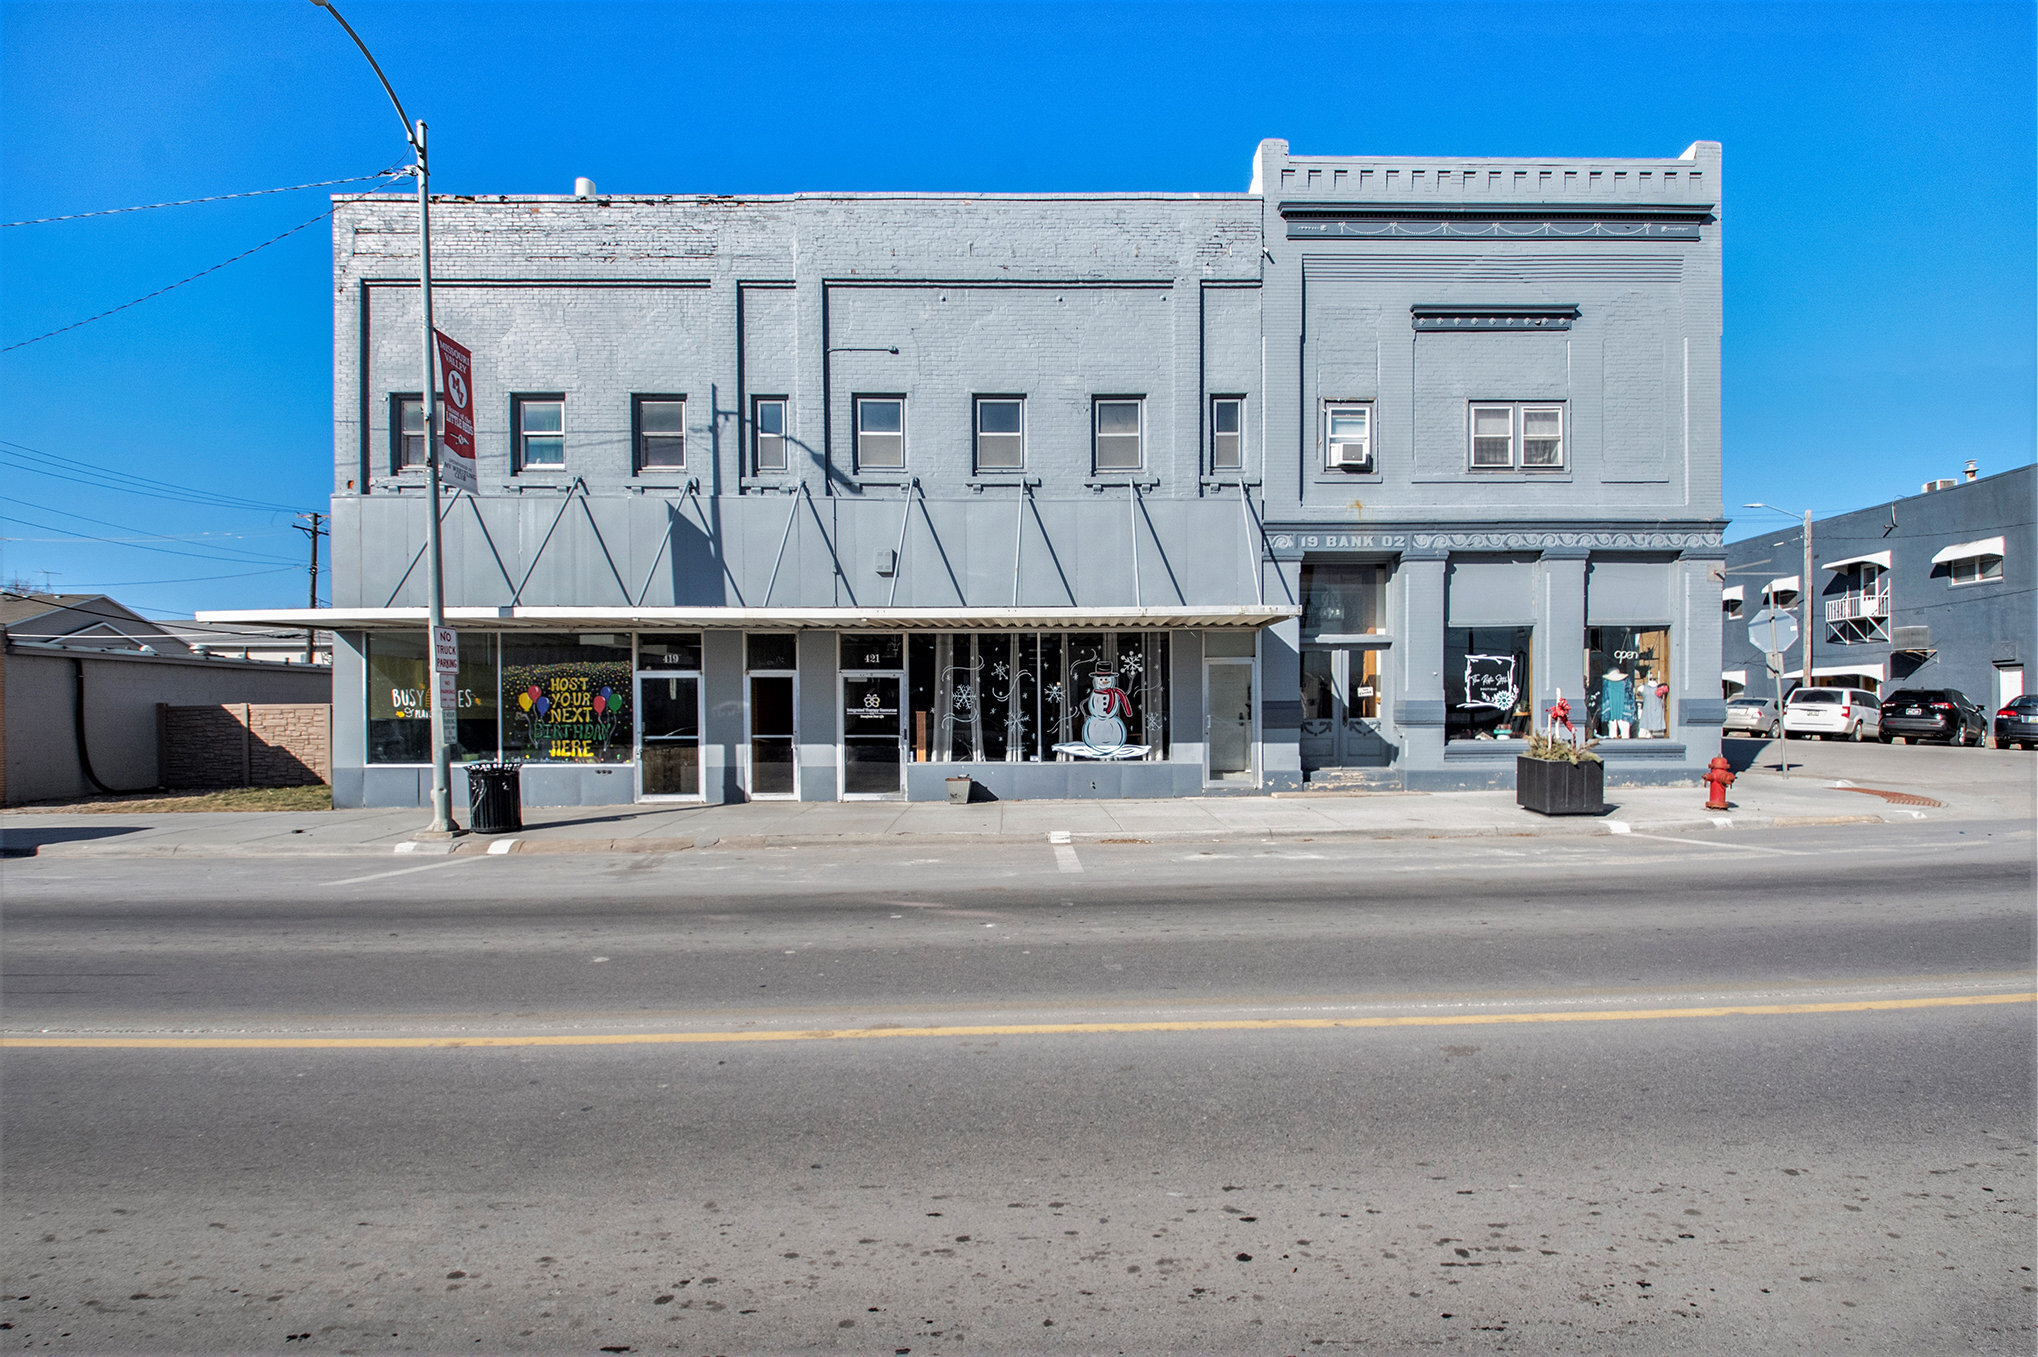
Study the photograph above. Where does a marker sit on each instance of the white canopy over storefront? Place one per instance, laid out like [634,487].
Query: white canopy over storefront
[761,619]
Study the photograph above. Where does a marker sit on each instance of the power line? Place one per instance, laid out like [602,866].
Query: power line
[136,546]
[197,579]
[124,527]
[106,478]
[392,171]
[64,329]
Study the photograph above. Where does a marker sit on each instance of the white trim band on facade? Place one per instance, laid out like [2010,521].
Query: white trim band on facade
[1877,671]
[1739,676]
[780,619]
[1881,558]
[1968,551]
[1733,593]
[1783,584]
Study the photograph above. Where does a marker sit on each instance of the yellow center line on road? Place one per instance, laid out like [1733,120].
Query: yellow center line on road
[130,1043]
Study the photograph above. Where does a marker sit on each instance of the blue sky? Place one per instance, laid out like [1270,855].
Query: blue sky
[1879,200]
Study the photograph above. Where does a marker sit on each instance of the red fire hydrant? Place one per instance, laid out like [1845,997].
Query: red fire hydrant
[1717,779]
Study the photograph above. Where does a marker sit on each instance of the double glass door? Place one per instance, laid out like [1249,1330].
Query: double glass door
[1341,708]
[668,736]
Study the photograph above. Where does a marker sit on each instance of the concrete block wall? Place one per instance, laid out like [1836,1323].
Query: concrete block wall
[243,744]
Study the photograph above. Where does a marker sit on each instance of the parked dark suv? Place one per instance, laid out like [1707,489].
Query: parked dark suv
[2017,723]
[1933,714]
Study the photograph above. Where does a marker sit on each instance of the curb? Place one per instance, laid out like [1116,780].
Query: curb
[1582,827]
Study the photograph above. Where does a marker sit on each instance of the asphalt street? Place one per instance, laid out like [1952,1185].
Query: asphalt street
[1673,1093]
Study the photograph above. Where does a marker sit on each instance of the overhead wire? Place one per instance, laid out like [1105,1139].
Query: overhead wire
[171,287]
[138,546]
[126,527]
[106,478]
[392,171]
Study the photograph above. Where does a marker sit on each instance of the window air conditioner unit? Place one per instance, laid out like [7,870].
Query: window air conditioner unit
[1351,454]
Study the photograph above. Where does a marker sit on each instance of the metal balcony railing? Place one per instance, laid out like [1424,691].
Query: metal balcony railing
[1857,607]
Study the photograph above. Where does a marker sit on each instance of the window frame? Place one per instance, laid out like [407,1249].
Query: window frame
[639,466]
[857,431]
[1331,410]
[977,404]
[397,466]
[1097,404]
[1979,575]
[1238,464]
[757,466]
[519,438]
[1517,437]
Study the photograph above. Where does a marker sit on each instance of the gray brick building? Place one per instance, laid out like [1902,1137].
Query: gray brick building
[1933,590]
[1344,478]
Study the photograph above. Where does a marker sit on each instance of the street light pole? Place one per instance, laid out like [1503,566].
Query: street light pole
[435,579]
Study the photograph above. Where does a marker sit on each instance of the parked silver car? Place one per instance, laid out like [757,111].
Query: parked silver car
[1753,716]
[1831,714]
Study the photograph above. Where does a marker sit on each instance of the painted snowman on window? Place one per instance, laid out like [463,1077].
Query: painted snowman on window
[1106,709]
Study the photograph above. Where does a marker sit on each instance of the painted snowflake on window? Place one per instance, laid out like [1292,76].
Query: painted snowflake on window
[1000,672]
[964,698]
[1153,723]
[1131,663]
[1052,693]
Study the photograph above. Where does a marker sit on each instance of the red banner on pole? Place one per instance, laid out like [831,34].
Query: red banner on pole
[456,414]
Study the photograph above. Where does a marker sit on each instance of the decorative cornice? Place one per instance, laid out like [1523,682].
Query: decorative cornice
[1493,228]
[1563,542]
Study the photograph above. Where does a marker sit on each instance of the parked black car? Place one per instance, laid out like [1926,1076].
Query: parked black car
[1933,714]
[2017,723]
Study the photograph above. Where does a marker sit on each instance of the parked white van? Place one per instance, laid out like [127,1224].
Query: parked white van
[1832,713]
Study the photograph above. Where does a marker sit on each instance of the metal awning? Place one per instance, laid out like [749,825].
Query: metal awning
[1739,676]
[1783,584]
[1876,671]
[1733,593]
[1881,558]
[1967,551]
[780,619]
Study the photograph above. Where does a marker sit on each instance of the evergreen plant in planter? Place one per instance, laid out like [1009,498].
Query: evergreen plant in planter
[1560,777]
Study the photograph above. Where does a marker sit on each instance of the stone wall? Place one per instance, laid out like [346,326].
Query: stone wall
[243,744]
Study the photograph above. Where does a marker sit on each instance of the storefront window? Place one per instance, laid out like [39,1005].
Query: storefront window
[566,698]
[400,699]
[669,650]
[1487,682]
[1029,697]
[1340,600]
[1627,682]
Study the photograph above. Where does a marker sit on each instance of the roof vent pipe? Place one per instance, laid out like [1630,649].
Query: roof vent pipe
[583,187]
[1973,470]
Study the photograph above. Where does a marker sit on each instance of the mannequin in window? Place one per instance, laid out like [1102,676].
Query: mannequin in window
[1617,703]
[1652,694]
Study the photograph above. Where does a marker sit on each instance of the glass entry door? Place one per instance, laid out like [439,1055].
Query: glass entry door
[772,736]
[873,736]
[668,736]
[1228,720]
[1341,709]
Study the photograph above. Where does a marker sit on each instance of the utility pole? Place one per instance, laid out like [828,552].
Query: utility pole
[1807,596]
[314,531]
[442,825]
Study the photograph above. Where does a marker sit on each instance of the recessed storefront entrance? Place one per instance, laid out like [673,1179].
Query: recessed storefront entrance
[1341,709]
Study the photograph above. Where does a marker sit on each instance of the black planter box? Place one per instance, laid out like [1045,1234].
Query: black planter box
[1551,787]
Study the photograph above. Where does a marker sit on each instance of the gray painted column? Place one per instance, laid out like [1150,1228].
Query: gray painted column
[1695,639]
[1281,706]
[722,735]
[1188,704]
[1419,711]
[350,718]
[1560,632]
[819,719]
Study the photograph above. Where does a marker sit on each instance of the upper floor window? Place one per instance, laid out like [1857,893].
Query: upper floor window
[1227,433]
[880,433]
[538,432]
[407,433]
[1515,435]
[1001,433]
[1975,569]
[1348,437]
[767,436]
[1118,439]
[661,433]
[1972,562]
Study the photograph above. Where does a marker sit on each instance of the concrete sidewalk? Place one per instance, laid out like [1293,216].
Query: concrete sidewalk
[1757,801]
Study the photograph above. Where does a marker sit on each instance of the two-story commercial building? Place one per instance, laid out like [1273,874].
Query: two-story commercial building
[1345,478]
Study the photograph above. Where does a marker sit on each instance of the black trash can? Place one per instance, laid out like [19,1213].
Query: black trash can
[495,798]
